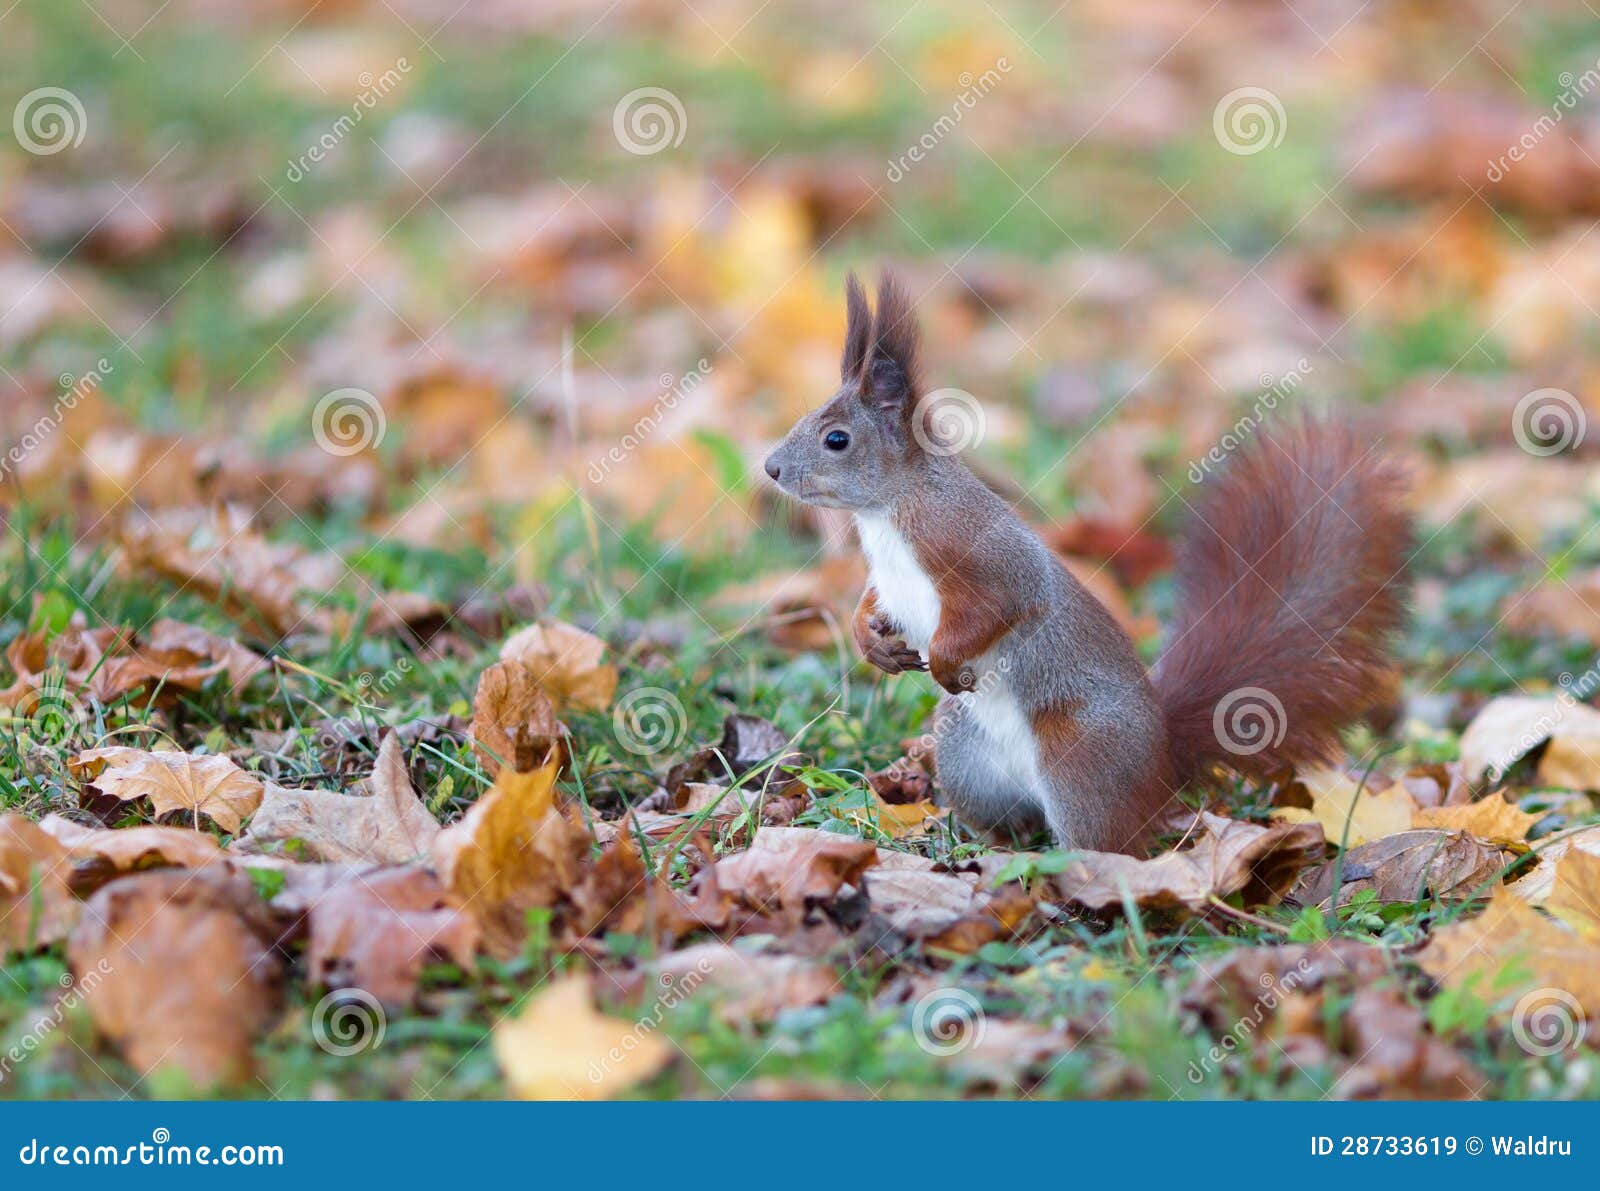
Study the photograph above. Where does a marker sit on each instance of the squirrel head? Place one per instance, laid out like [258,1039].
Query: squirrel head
[850,453]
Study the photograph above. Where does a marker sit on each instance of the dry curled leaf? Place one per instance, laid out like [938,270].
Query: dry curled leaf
[1229,857]
[388,825]
[511,713]
[560,1048]
[566,662]
[513,851]
[1409,867]
[172,781]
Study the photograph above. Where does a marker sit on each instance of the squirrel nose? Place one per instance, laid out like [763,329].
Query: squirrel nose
[772,468]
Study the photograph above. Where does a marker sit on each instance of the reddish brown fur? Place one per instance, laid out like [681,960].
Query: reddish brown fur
[1289,580]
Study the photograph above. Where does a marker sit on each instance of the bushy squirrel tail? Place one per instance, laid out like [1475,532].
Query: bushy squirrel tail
[1289,589]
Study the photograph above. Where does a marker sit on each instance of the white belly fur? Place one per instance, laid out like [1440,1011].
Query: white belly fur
[905,593]
[908,596]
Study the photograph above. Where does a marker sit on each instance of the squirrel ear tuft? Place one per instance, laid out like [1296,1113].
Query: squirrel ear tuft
[891,375]
[858,329]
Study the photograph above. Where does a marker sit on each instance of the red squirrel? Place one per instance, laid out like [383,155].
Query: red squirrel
[1288,582]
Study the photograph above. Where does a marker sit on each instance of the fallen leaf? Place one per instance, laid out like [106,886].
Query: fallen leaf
[560,1048]
[566,662]
[99,853]
[946,911]
[747,986]
[1491,818]
[1575,896]
[36,905]
[510,712]
[200,785]
[377,930]
[786,868]
[1511,949]
[1338,800]
[512,851]
[109,663]
[1410,866]
[898,820]
[388,825]
[1534,886]
[186,980]
[1396,1056]
[1229,857]
[1508,728]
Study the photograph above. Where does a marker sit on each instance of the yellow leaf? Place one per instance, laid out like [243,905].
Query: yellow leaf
[560,1048]
[1491,818]
[1513,950]
[512,851]
[899,819]
[1337,799]
[1575,898]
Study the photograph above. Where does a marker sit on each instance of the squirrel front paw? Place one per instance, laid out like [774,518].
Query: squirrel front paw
[956,677]
[893,656]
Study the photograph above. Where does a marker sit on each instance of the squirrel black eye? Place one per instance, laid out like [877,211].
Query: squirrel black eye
[837,440]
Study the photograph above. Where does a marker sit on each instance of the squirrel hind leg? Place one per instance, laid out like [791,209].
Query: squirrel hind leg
[973,779]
